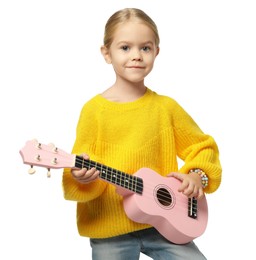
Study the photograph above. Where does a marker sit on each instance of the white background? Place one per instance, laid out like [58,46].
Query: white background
[50,65]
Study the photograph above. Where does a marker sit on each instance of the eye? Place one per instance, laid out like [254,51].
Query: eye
[125,48]
[146,48]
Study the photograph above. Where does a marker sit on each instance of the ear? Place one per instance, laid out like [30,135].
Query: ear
[157,51]
[105,53]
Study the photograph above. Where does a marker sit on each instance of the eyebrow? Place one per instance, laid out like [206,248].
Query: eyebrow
[129,43]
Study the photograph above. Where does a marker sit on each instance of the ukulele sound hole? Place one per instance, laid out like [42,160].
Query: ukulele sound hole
[164,197]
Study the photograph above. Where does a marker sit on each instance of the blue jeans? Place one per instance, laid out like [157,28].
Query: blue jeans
[148,242]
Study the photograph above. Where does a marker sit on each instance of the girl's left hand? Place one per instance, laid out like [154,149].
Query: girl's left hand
[191,184]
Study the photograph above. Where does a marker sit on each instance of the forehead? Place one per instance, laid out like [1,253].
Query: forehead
[133,30]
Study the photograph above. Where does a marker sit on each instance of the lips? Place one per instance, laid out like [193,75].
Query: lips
[135,67]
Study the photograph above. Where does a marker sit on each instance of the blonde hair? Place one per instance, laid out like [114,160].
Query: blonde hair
[123,16]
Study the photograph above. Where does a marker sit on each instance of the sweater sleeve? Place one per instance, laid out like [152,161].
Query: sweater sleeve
[196,149]
[72,189]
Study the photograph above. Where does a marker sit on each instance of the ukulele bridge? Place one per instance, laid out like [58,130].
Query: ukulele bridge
[192,208]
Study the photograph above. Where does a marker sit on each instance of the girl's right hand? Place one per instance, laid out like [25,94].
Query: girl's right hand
[83,175]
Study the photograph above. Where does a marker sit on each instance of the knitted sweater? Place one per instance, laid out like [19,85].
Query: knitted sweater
[150,132]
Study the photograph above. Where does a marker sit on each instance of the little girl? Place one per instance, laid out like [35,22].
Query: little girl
[128,127]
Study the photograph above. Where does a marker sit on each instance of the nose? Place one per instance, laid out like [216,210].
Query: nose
[136,55]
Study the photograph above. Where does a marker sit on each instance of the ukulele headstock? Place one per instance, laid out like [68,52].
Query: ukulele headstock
[48,156]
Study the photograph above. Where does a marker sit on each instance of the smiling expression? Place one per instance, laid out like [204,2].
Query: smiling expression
[132,52]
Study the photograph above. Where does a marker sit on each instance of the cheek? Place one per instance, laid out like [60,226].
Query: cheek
[119,60]
[150,61]
[152,58]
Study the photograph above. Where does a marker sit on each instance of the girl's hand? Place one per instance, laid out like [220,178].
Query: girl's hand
[191,184]
[83,175]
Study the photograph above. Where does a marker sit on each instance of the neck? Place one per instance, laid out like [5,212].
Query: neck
[124,92]
[129,182]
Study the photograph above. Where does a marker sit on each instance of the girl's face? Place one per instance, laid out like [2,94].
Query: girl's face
[132,52]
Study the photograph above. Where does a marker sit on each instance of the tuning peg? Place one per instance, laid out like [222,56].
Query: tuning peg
[54,148]
[54,161]
[31,170]
[48,173]
[34,140]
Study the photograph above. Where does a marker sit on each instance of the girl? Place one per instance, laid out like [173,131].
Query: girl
[128,127]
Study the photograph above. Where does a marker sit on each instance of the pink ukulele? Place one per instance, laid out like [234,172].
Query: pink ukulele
[148,197]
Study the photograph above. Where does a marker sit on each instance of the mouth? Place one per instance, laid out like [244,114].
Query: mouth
[135,67]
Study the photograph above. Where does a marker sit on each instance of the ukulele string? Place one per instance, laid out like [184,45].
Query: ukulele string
[165,199]
[111,174]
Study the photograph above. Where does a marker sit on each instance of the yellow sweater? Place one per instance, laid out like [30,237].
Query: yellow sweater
[149,132]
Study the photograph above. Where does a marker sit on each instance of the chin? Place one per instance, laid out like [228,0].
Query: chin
[136,79]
